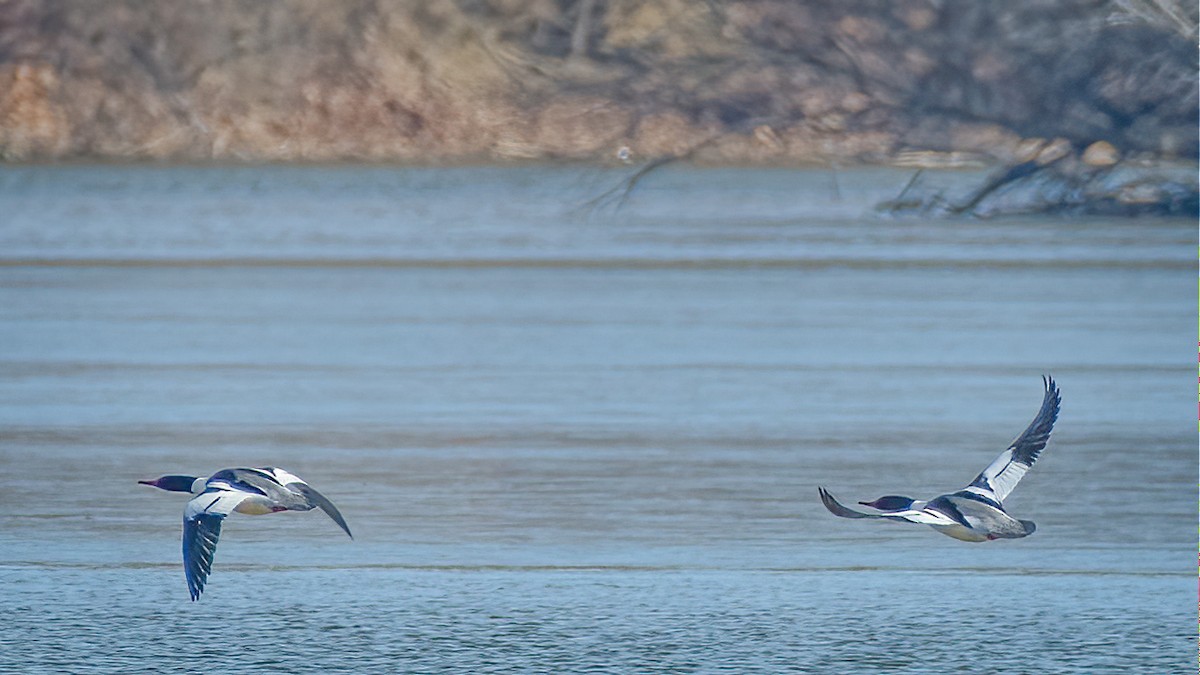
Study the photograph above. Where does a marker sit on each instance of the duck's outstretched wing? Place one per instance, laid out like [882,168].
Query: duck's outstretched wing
[838,509]
[295,484]
[1003,474]
[201,528]
[200,536]
[319,500]
[919,516]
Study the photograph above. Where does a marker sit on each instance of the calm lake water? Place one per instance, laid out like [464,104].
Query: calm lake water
[584,437]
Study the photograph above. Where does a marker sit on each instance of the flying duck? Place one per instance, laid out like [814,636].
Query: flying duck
[250,491]
[975,513]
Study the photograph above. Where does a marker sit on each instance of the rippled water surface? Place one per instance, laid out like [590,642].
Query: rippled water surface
[583,437]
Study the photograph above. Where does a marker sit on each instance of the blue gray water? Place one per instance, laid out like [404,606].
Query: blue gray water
[583,437]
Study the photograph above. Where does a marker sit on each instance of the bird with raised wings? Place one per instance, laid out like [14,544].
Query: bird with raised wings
[976,512]
[250,491]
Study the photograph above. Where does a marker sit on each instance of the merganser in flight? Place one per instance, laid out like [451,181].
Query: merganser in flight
[976,512]
[250,491]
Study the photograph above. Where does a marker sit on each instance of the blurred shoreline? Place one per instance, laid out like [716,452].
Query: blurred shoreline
[452,82]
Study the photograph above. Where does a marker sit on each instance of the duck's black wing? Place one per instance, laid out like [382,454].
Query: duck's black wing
[838,509]
[1003,474]
[201,528]
[200,536]
[319,500]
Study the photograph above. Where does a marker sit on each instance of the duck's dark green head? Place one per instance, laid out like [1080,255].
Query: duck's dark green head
[890,503]
[172,483]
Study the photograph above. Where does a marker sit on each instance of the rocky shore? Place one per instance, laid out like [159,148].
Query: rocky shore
[918,82]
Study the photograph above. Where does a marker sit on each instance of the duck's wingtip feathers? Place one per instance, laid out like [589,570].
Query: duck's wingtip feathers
[838,509]
[321,501]
[826,497]
[1052,388]
[200,535]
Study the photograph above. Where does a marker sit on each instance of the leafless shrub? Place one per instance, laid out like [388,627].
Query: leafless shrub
[1181,17]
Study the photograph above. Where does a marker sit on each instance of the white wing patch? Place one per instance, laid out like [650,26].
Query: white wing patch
[284,477]
[923,517]
[1000,477]
[217,501]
